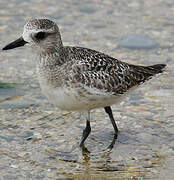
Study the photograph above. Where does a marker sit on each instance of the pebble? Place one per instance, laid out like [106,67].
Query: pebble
[26,134]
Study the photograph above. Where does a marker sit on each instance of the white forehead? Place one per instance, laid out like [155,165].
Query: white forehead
[37,25]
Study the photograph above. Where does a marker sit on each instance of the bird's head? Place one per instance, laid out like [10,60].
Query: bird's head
[42,35]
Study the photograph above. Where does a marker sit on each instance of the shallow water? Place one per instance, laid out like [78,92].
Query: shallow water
[41,142]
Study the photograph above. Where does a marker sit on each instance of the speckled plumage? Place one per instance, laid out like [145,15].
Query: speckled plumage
[77,78]
[93,75]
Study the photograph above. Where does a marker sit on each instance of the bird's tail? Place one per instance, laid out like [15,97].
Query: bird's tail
[157,68]
[144,73]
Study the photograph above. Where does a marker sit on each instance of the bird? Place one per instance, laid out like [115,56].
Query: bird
[78,78]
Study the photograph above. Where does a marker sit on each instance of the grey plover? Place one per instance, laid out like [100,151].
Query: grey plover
[77,78]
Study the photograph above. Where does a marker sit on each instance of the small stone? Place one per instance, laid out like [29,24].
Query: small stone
[13,166]
[137,41]
[37,135]
[26,134]
[22,154]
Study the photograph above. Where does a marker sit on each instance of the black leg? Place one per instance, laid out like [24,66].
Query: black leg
[86,133]
[108,110]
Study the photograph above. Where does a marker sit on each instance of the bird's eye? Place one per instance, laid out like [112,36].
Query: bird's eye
[40,35]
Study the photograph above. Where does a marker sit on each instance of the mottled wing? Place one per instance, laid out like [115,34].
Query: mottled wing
[97,70]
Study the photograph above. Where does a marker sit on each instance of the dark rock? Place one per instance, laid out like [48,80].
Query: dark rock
[137,41]
[87,10]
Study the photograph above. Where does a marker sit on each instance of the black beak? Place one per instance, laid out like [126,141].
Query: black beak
[19,42]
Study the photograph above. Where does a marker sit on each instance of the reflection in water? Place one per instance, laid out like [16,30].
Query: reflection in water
[113,142]
[100,165]
[86,152]
[90,165]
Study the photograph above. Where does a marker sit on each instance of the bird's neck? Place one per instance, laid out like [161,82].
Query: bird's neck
[56,56]
[48,66]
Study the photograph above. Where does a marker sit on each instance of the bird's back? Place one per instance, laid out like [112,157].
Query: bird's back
[98,70]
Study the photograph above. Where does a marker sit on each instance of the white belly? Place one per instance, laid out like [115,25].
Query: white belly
[75,100]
